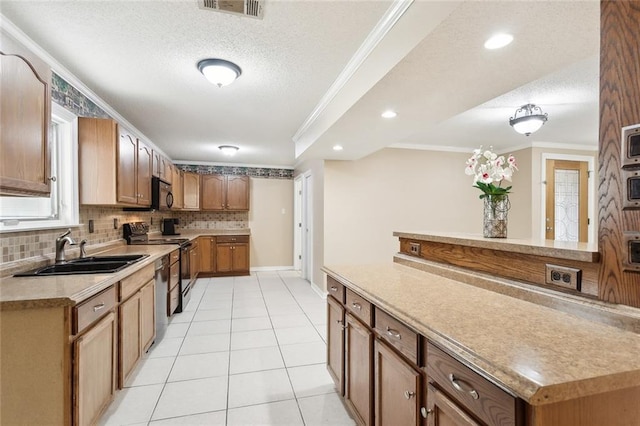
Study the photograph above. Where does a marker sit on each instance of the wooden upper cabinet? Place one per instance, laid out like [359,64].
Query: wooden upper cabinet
[177,182]
[97,159]
[156,168]
[213,192]
[225,193]
[166,170]
[25,116]
[191,191]
[143,171]
[127,161]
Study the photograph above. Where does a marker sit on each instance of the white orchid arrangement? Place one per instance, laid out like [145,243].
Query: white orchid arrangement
[489,170]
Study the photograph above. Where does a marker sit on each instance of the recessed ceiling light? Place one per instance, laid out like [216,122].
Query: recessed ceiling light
[228,149]
[337,148]
[389,114]
[497,41]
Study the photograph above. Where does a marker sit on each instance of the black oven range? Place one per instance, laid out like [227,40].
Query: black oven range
[137,233]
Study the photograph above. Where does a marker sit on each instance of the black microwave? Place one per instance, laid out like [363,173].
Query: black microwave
[161,196]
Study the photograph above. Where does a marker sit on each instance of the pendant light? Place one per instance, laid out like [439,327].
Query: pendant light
[528,119]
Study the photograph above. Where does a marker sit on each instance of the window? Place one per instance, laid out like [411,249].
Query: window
[60,208]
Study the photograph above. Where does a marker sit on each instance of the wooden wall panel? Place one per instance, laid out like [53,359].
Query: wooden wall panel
[619,107]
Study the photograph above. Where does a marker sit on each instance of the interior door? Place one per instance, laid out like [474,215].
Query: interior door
[567,200]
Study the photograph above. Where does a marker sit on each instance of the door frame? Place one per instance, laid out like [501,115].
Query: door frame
[307,226]
[591,191]
[297,222]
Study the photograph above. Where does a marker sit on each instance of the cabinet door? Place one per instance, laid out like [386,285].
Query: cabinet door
[25,99]
[441,411]
[397,389]
[148,315]
[94,371]
[144,174]
[358,392]
[194,262]
[129,336]
[335,343]
[177,188]
[127,159]
[213,192]
[224,258]
[191,194]
[156,167]
[206,246]
[237,193]
[240,257]
[166,169]
[97,159]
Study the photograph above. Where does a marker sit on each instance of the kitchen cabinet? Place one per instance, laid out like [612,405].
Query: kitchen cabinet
[94,356]
[442,411]
[398,390]
[177,183]
[166,169]
[221,192]
[232,255]
[114,166]
[358,388]
[191,191]
[25,115]
[194,262]
[134,170]
[156,167]
[207,246]
[136,320]
[335,342]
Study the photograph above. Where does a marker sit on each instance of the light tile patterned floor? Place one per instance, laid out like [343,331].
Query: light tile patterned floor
[247,351]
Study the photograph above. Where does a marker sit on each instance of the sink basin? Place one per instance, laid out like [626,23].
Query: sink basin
[87,265]
[114,258]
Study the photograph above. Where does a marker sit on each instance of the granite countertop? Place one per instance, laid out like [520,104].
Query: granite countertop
[540,354]
[69,290]
[585,252]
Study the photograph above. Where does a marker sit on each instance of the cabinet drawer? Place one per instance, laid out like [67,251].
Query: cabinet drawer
[471,391]
[360,307]
[92,309]
[133,282]
[398,335]
[173,300]
[335,289]
[233,239]
[174,256]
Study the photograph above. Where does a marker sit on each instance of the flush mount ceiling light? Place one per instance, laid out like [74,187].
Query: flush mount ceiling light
[219,72]
[389,114]
[337,148]
[498,41]
[527,119]
[228,149]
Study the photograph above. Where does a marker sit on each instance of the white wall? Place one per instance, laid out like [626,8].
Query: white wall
[270,219]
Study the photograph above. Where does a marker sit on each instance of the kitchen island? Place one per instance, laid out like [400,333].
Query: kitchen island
[543,357]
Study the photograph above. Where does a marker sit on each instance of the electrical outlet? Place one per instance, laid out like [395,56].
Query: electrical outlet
[91,226]
[564,276]
[414,248]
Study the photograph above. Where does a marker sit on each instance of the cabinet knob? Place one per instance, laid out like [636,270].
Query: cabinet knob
[409,394]
[52,178]
[425,412]
[356,305]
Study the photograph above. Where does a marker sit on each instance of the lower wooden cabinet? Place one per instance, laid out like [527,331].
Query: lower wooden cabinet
[398,388]
[335,342]
[358,370]
[94,371]
[442,411]
[136,317]
[224,255]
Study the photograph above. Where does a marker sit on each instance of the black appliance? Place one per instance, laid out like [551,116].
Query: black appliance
[161,195]
[168,226]
[137,233]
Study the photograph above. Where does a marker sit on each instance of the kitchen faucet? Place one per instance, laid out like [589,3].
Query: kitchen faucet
[60,242]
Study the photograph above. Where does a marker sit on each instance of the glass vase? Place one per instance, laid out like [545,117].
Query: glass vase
[496,208]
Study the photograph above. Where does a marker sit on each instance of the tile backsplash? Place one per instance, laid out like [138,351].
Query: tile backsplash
[18,246]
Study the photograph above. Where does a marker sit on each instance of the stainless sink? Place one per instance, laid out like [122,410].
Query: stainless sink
[87,265]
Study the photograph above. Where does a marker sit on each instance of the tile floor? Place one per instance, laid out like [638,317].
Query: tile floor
[246,351]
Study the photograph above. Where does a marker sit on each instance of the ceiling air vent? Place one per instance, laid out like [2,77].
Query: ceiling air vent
[251,8]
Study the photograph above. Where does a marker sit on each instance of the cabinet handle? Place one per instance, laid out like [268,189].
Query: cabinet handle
[356,305]
[393,333]
[456,383]
[409,394]
[425,412]
[96,308]
[334,288]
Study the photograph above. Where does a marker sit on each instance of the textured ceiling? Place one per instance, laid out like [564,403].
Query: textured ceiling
[140,57]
